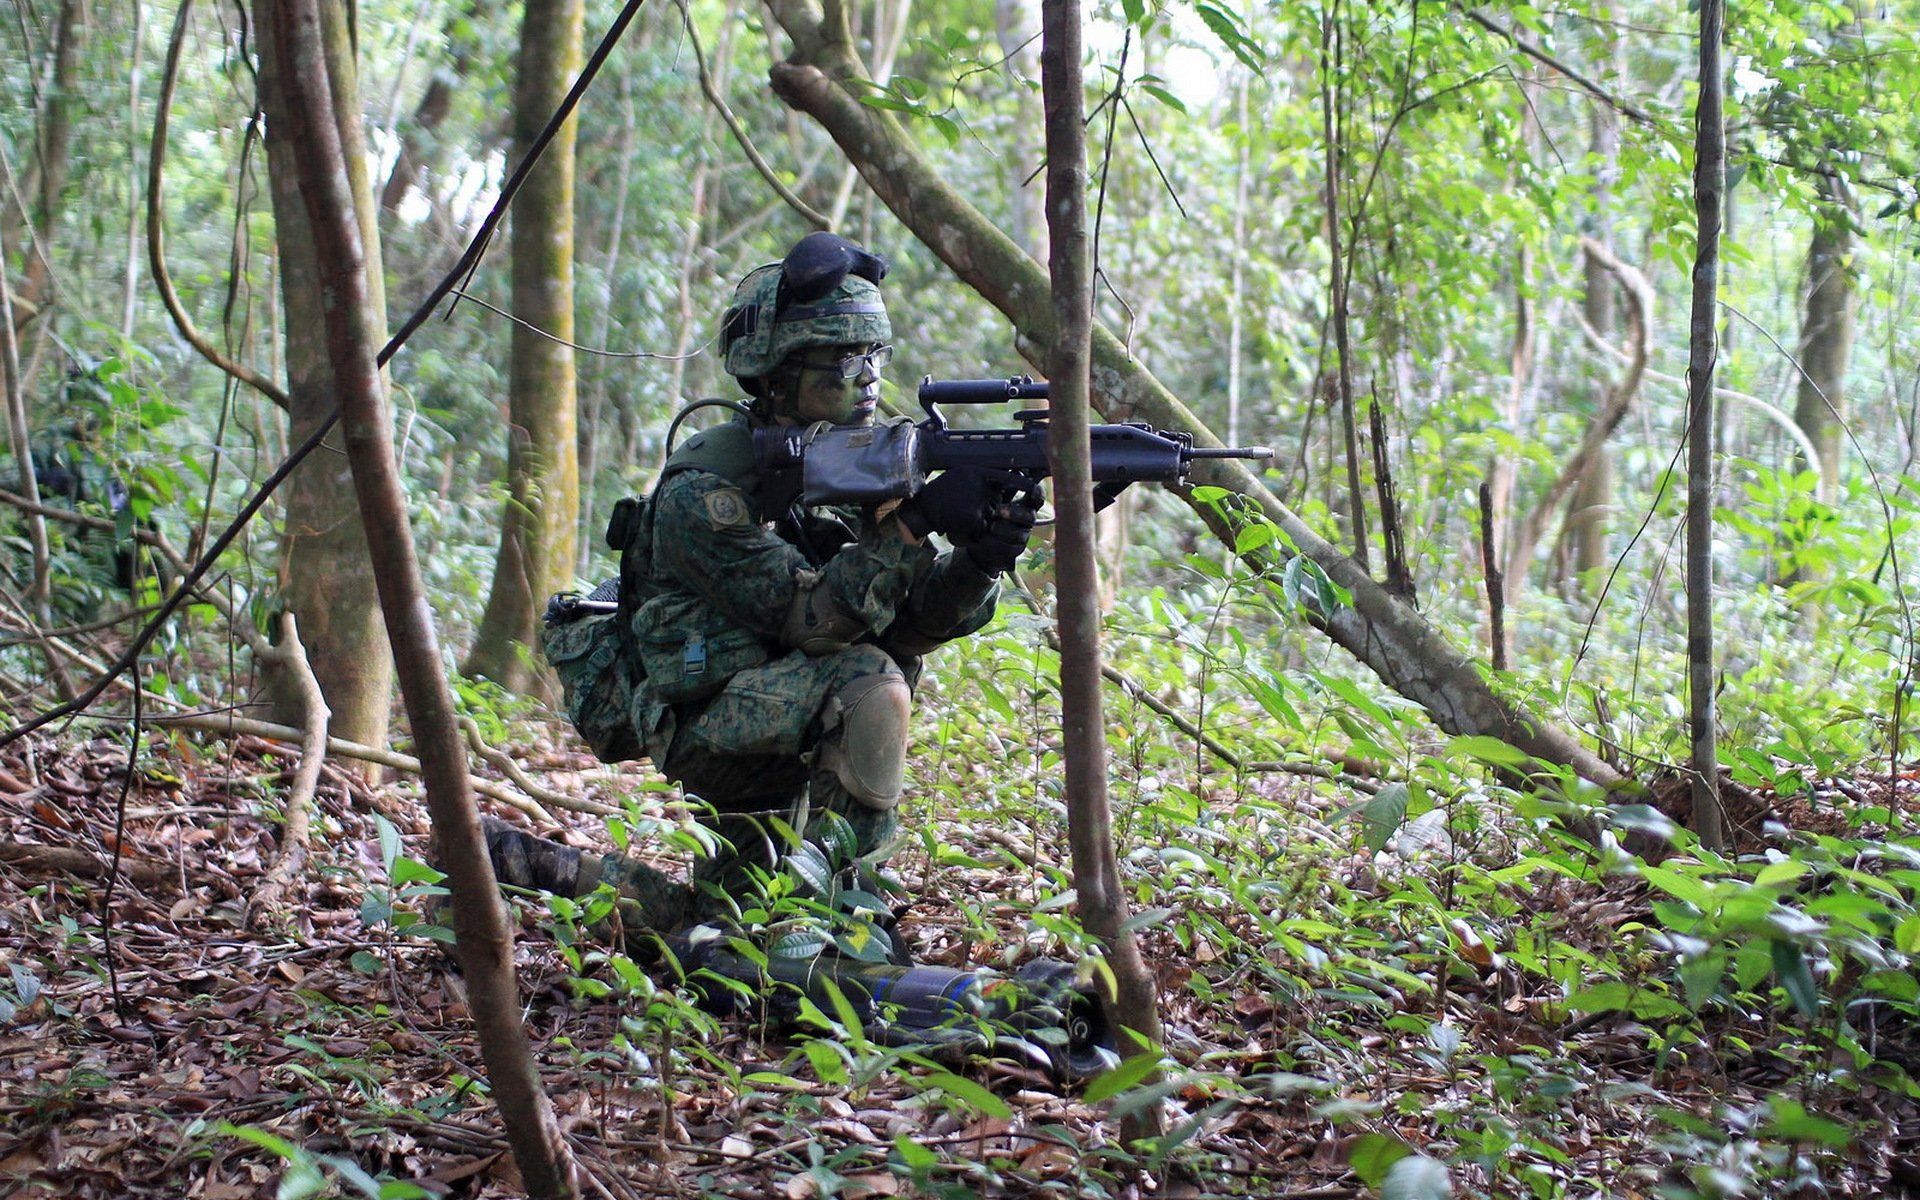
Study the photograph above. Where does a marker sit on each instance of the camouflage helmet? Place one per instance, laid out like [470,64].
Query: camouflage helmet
[824,293]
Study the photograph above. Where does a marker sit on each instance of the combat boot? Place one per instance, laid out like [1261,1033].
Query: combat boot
[650,899]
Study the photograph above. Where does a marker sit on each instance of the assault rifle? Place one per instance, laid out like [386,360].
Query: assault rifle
[865,464]
[1039,1014]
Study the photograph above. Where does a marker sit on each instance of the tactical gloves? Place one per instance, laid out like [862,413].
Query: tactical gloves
[1003,539]
[953,502]
[987,514]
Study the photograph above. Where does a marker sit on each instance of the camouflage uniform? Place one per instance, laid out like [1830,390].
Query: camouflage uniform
[765,653]
[762,723]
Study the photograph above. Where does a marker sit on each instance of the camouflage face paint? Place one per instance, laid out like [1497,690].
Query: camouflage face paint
[823,392]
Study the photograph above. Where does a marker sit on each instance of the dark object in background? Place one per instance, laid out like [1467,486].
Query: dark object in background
[73,473]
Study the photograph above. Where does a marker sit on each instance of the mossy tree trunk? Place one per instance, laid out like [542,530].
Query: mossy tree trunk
[1826,334]
[326,578]
[538,536]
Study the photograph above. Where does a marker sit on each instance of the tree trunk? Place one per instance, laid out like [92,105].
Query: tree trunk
[420,140]
[299,51]
[538,533]
[52,159]
[410,165]
[326,579]
[1026,204]
[1331,69]
[1383,632]
[20,442]
[1613,409]
[1096,866]
[1826,335]
[1709,177]
[1587,511]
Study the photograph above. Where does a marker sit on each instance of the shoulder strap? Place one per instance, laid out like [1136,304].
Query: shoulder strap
[725,450]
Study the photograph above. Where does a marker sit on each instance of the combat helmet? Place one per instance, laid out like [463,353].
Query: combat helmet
[824,293]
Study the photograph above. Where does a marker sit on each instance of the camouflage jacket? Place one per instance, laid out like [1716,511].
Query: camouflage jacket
[717,575]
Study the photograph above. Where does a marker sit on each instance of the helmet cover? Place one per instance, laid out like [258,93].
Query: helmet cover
[824,293]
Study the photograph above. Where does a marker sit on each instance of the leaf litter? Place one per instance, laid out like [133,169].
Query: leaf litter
[134,1054]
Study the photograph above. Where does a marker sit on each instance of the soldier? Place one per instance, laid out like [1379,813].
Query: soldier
[764,654]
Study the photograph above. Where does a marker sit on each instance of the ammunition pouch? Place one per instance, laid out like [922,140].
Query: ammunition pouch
[687,666]
[598,681]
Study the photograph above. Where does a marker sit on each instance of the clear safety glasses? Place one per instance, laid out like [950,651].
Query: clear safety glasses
[855,365]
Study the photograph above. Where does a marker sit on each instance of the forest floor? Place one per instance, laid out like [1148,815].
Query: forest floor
[162,1052]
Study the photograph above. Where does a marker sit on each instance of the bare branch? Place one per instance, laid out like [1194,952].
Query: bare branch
[812,215]
[156,231]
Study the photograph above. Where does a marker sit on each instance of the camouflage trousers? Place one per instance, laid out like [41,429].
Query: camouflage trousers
[747,755]
[751,755]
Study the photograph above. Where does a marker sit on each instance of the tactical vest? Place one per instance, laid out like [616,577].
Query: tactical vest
[726,451]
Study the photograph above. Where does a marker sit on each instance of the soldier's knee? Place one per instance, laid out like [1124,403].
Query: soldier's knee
[866,737]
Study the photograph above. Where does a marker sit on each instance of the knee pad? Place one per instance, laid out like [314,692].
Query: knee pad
[866,744]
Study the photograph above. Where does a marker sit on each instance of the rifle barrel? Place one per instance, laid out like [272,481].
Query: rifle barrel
[1230,452]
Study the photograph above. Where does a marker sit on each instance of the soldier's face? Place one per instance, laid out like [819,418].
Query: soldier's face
[839,384]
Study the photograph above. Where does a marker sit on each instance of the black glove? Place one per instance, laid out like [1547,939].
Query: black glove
[1003,539]
[956,502]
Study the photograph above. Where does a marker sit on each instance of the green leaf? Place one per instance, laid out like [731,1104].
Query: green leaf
[1165,97]
[834,834]
[1143,920]
[1789,1122]
[1490,750]
[1385,810]
[1906,937]
[1128,1074]
[404,870]
[1790,968]
[799,943]
[1417,1177]
[859,943]
[389,842]
[367,963]
[1374,1154]
[913,1155]
[970,1093]
[1700,976]
[810,866]
[1780,874]
[844,1012]
[1252,536]
[1751,965]
[1680,887]
[1616,995]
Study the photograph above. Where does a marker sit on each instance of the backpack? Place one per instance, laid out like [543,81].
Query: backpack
[583,640]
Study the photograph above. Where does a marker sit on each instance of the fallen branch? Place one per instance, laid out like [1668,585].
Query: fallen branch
[541,793]
[230,724]
[291,656]
[82,862]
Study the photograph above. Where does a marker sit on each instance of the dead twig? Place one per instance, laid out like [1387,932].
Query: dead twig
[81,862]
[230,724]
[291,656]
